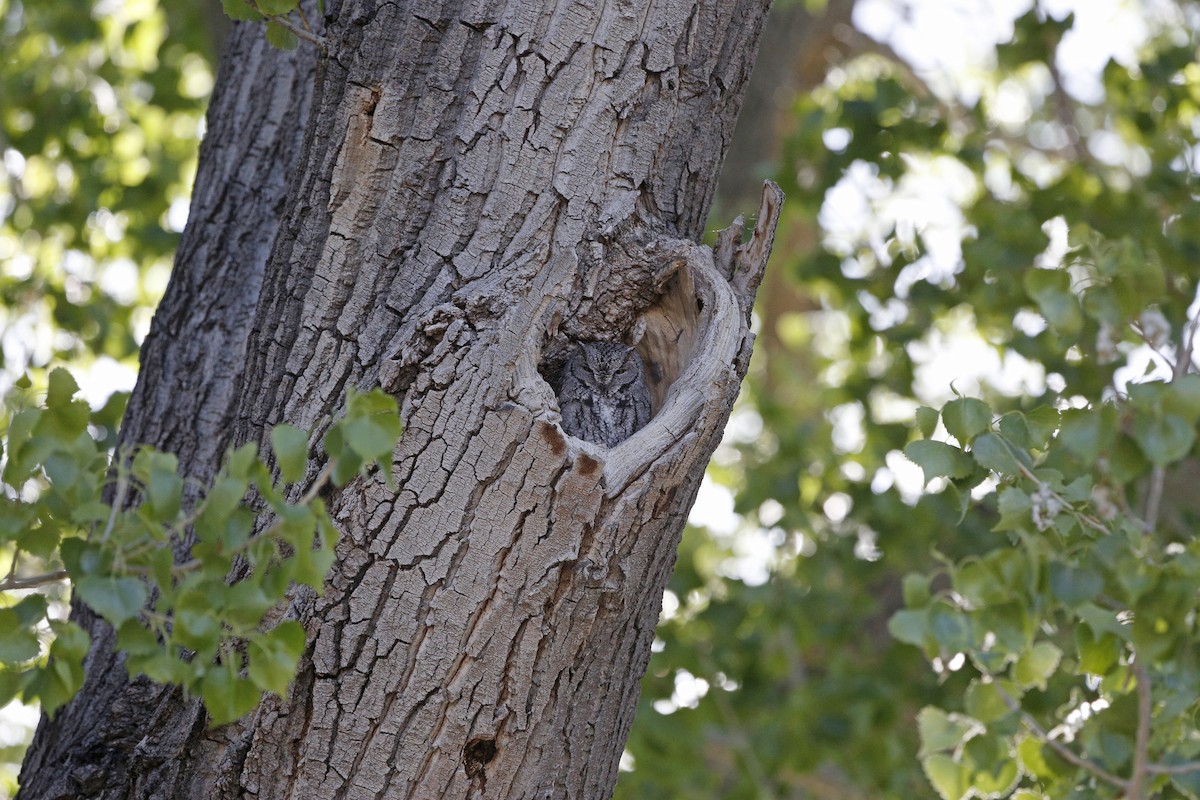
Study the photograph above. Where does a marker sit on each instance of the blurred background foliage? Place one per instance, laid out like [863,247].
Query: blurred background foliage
[932,153]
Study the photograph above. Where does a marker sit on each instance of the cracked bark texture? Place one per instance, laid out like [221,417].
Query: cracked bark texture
[442,205]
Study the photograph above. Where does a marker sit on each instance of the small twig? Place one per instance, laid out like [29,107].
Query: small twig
[1173,769]
[1058,747]
[1172,363]
[301,33]
[304,19]
[32,581]
[1064,112]
[1183,364]
[1158,476]
[1142,737]
[1158,480]
[118,501]
[1087,519]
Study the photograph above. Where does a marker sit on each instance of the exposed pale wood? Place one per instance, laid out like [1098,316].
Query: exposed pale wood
[483,183]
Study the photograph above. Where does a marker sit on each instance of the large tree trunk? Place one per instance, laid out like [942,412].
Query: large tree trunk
[479,185]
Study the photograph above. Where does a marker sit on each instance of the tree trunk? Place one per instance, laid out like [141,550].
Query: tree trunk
[477,187]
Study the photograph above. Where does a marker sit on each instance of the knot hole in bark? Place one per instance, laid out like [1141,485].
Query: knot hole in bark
[476,755]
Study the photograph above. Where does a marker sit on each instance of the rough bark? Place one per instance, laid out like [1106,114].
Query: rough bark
[481,184]
[135,739]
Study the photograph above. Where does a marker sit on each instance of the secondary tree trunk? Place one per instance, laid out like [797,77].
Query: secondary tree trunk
[479,185]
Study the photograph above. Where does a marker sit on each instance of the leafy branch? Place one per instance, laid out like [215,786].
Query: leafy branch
[282,32]
[1074,560]
[206,621]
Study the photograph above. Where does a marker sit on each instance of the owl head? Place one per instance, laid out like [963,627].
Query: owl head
[611,364]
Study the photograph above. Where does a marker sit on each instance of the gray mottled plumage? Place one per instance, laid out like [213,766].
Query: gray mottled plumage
[604,397]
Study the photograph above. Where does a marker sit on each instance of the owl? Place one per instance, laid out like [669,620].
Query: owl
[604,397]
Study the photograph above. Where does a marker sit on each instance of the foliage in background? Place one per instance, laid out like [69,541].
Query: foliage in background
[1048,571]
[98,131]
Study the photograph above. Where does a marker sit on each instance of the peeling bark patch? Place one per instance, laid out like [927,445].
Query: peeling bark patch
[476,756]
[587,465]
[554,437]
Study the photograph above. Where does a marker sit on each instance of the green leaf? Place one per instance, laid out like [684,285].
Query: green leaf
[274,655]
[926,419]
[290,445]
[938,459]
[1183,397]
[950,780]
[1011,624]
[985,702]
[370,428]
[71,642]
[67,652]
[1033,757]
[1073,586]
[1014,506]
[21,463]
[916,590]
[18,642]
[966,418]
[239,463]
[163,667]
[1164,439]
[910,626]
[115,599]
[1097,653]
[1015,429]
[278,7]
[222,501]
[165,488]
[134,639]
[240,10]
[197,629]
[1042,422]
[993,453]
[1100,303]
[1034,667]
[65,419]
[993,772]
[1088,432]
[1051,290]
[10,685]
[280,37]
[62,387]
[974,581]
[246,605]
[1125,460]
[951,628]
[227,696]
[940,731]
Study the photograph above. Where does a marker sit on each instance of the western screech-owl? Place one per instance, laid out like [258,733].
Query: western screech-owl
[604,397]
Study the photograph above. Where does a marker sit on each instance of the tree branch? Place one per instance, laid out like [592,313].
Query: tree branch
[1180,367]
[300,33]
[1173,769]
[1142,741]
[1066,753]
[33,581]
